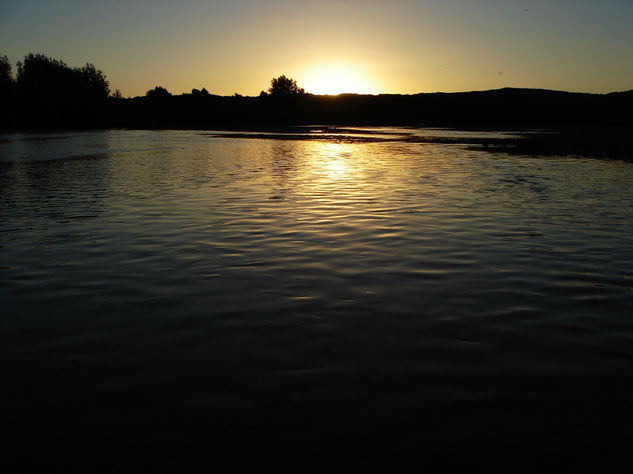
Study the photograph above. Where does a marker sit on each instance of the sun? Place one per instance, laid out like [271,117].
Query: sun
[337,78]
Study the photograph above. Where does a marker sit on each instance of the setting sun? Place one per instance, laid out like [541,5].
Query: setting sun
[338,78]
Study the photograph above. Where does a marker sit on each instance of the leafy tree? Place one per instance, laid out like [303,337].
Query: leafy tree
[7,83]
[197,92]
[93,81]
[157,92]
[40,77]
[45,79]
[7,94]
[52,94]
[283,86]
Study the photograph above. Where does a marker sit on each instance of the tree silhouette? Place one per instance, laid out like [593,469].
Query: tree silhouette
[7,92]
[157,92]
[49,93]
[284,86]
[200,92]
[93,82]
[45,79]
[6,77]
[41,78]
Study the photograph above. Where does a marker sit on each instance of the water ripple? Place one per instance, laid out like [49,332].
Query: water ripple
[240,276]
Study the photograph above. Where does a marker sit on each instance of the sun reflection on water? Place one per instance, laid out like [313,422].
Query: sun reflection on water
[332,160]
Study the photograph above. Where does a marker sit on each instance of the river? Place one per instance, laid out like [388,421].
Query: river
[179,295]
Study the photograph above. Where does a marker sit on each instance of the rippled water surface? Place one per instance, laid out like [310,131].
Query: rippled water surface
[164,289]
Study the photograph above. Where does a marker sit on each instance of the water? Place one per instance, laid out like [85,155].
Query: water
[172,297]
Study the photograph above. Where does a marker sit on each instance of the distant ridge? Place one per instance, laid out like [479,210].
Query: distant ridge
[498,108]
[506,107]
[501,90]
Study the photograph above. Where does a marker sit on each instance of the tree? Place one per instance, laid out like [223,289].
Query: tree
[7,93]
[199,92]
[45,79]
[94,83]
[283,86]
[158,92]
[6,77]
[53,94]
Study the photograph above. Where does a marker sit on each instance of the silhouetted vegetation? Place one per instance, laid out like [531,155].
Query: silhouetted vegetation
[199,93]
[283,86]
[7,92]
[47,93]
[7,83]
[158,92]
[47,79]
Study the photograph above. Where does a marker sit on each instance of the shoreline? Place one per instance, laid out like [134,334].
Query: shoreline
[607,142]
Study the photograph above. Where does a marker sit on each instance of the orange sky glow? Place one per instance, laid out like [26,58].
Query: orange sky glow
[332,47]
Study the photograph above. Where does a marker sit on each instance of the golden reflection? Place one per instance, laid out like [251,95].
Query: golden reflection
[332,160]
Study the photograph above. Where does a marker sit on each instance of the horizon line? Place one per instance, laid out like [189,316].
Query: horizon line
[367,94]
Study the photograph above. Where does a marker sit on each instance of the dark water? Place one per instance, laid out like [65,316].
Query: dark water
[171,299]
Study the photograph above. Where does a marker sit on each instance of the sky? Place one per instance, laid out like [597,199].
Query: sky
[397,46]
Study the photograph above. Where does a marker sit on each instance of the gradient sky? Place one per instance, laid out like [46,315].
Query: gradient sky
[332,46]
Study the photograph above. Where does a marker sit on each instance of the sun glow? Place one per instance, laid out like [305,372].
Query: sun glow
[337,78]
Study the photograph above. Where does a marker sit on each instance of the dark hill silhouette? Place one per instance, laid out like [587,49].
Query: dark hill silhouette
[500,108]
[506,107]
[49,94]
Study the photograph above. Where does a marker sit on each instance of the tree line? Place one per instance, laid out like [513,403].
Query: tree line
[46,93]
[42,79]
